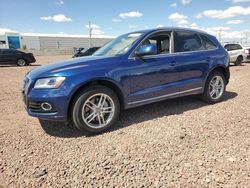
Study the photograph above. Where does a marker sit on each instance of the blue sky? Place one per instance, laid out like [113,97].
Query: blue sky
[114,17]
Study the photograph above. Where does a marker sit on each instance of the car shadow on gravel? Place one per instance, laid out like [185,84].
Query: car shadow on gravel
[135,115]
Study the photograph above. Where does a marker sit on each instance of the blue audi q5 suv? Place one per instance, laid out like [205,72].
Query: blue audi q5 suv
[134,69]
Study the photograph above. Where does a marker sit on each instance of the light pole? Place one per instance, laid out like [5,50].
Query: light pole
[220,34]
[90,35]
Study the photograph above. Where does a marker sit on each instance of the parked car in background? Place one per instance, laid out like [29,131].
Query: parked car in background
[12,56]
[132,70]
[247,54]
[80,52]
[236,53]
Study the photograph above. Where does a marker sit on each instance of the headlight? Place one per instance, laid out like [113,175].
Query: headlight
[247,51]
[53,82]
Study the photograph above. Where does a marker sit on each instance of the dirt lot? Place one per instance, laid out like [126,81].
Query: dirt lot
[176,143]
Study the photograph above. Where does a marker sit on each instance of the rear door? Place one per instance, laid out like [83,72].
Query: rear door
[1,59]
[9,56]
[4,56]
[193,63]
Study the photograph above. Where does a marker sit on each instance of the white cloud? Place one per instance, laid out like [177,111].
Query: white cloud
[240,1]
[226,33]
[159,26]
[194,26]
[173,5]
[132,26]
[183,22]
[93,26]
[227,13]
[6,30]
[61,2]
[178,18]
[185,2]
[133,14]
[220,28]
[235,22]
[96,29]
[97,32]
[56,18]
[116,20]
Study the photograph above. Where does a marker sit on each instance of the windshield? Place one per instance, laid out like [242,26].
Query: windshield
[119,45]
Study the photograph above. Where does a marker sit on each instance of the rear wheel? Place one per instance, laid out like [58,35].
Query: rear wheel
[95,109]
[215,88]
[21,62]
[239,60]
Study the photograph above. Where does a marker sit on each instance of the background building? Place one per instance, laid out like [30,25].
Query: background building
[50,44]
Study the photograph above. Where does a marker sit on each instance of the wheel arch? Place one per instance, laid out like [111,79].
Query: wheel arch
[240,56]
[103,82]
[224,70]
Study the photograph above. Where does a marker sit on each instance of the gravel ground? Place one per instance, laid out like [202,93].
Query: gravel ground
[175,143]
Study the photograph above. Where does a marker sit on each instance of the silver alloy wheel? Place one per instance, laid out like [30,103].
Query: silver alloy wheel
[21,62]
[98,110]
[216,87]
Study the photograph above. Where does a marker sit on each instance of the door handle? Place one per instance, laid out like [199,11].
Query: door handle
[172,63]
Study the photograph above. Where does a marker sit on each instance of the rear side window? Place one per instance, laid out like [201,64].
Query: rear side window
[187,41]
[237,47]
[208,44]
[9,52]
[231,47]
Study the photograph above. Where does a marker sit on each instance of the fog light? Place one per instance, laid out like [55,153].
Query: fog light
[46,106]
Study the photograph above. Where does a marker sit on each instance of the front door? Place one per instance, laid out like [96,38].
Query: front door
[153,77]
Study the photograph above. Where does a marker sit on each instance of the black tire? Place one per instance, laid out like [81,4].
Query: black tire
[21,62]
[79,103]
[239,61]
[206,96]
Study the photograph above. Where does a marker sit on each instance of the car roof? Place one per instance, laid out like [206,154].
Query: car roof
[225,43]
[172,29]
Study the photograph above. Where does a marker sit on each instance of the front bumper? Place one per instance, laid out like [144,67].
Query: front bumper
[57,97]
[247,58]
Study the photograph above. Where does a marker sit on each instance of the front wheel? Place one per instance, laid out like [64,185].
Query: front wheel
[95,109]
[239,60]
[215,88]
[21,62]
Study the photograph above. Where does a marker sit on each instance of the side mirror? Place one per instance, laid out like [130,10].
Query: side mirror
[148,49]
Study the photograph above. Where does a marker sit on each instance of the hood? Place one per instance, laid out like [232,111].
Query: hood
[61,68]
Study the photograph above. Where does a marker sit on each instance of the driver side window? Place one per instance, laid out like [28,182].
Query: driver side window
[160,40]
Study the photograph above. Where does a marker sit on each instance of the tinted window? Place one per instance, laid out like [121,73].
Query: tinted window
[208,44]
[9,52]
[228,47]
[237,47]
[187,41]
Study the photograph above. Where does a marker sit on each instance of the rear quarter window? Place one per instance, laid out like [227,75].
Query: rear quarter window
[237,47]
[208,44]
